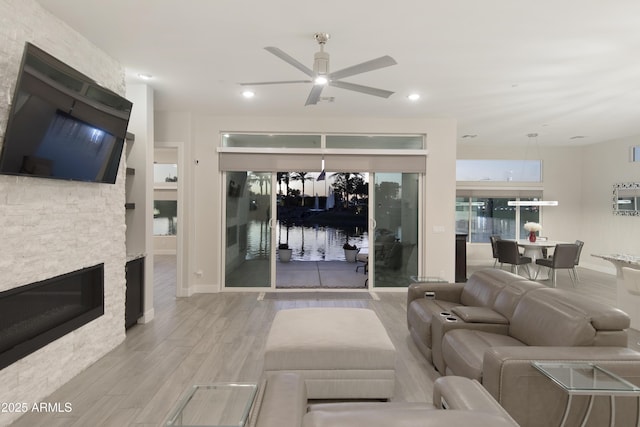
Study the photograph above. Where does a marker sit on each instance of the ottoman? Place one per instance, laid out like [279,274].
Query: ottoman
[341,353]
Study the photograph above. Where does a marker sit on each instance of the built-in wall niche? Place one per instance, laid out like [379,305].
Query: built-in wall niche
[39,313]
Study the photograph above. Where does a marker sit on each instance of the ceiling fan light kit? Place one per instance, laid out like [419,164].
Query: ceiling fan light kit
[321,76]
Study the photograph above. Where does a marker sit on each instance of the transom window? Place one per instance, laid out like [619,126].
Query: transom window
[482,170]
[481,217]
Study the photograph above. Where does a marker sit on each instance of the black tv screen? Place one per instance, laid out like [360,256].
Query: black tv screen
[62,124]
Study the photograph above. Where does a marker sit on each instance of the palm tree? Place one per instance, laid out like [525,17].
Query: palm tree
[283,176]
[261,178]
[345,183]
[302,177]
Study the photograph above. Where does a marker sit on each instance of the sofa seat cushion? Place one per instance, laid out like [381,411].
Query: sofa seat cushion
[420,313]
[355,405]
[463,349]
[402,418]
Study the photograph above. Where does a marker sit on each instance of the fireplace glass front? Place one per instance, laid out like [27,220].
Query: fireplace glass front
[33,315]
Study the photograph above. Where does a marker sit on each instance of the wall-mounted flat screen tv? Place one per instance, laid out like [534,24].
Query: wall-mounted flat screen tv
[62,124]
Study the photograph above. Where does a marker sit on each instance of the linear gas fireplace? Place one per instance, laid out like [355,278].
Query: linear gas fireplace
[36,314]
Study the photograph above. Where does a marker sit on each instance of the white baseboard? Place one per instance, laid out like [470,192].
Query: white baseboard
[147,316]
[204,289]
[165,252]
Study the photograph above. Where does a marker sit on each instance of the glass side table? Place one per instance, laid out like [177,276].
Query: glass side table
[587,379]
[215,405]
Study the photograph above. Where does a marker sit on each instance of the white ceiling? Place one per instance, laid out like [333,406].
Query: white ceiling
[502,68]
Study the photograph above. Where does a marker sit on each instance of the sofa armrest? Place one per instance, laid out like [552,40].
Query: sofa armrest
[282,401]
[533,399]
[479,315]
[441,325]
[443,291]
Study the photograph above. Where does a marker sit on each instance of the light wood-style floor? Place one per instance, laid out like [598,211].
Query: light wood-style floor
[220,337]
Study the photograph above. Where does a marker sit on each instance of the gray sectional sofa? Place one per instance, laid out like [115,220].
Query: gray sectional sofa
[486,302]
[493,326]
[283,403]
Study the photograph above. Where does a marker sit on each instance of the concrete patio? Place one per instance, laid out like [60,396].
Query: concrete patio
[319,274]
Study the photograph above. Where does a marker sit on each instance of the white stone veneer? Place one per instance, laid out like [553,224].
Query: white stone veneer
[50,227]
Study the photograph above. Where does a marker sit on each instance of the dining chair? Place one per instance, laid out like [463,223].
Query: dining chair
[494,247]
[580,244]
[508,253]
[545,250]
[564,257]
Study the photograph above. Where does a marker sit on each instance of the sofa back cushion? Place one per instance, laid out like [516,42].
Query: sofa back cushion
[483,286]
[509,296]
[554,317]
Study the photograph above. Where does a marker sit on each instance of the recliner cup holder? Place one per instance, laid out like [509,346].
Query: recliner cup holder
[445,314]
[451,319]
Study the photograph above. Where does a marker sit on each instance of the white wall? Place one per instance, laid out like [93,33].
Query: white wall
[174,129]
[581,179]
[53,227]
[604,165]
[204,216]
[140,186]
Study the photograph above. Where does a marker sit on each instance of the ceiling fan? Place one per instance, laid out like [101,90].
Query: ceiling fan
[321,76]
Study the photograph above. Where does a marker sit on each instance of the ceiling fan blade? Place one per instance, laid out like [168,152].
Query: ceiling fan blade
[274,83]
[289,59]
[314,95]
[374,64]
[363,89]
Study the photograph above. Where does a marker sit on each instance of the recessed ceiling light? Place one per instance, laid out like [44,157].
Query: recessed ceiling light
[248,94]
[414,96]
[578,137]
[144,76]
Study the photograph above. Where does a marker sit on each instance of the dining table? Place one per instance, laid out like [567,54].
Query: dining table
[534,250]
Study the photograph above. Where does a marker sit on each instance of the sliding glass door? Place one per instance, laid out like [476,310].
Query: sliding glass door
[395,220]
[248,246]
[316,194]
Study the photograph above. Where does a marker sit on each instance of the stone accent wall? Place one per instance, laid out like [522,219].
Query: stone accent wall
[50,227]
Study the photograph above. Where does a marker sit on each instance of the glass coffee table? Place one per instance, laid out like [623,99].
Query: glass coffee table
[587,379]
[215,405]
